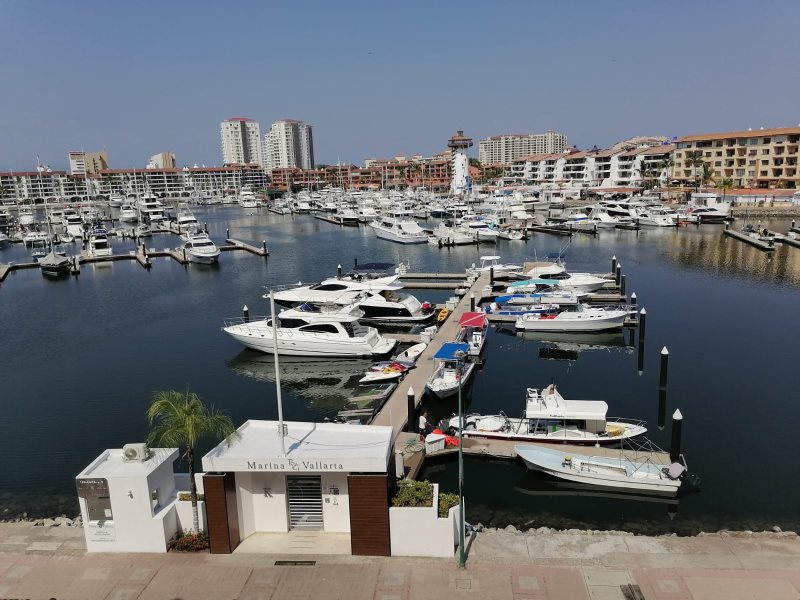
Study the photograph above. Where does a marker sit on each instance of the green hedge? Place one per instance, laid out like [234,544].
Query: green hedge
[187,497]
[446,502]
[412,493]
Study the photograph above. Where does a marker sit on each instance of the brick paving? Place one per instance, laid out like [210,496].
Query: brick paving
[51,562]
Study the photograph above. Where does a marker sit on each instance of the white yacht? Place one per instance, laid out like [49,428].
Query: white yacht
[25,216]
[451,371]
[452,236]
[583,319]
[115,200]
[404,231]
[312,331]
[186,220]
[575,282]
[128,213]
[73,224]
[548,417]
[33,237]
[492,263]
[151,210]
[247,199]
[98,243]
[200,249]
[336,290]
[387,306]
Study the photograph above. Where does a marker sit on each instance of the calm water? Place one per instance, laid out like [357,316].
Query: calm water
[82,357]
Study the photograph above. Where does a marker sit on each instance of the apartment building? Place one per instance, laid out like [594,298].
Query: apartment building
[162,160]
[503,149]
[240,139]
[81,163]
[289,144]
[762,158]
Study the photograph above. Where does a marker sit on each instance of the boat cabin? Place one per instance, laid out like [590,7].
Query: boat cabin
[548,411]
[474,326]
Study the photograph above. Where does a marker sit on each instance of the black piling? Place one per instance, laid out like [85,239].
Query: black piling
[675,444]
[633,300]
[622,285]
[472,302]
[618,274]
[264,246]
[642,325]
[491,276]
[246,314]
[227,234]
[662,388]
[613,264]
[338,270]
[412,405]
[663,372]
[205,227]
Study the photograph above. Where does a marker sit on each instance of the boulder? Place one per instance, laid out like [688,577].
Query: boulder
[63,521]
[48,522]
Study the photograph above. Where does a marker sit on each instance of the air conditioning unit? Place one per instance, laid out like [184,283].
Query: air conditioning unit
[135,452]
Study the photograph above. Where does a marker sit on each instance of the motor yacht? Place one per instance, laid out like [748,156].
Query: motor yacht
[128,213]
[452,236]
[312,331]
[548,417]
[200,249]
[492,263]
[115,200]
[98,243]
[336,290]
[403,231]
[73,224]
[186,220]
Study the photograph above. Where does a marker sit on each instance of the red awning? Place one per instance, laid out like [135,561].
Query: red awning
[472,319]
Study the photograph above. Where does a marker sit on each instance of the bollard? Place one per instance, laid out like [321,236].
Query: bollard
[642,324]
[472,302]
[264,246]
[618,274]
[613,264]
[246,313]
[412,401]
[793,223]
[677,427]
[184,256]
[622,285]
[662,377]
[491,276]
[227,234]
[633,300]
[727,226]
[205,227]
[338,270]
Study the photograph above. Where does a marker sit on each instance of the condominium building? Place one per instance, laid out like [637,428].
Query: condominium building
[760,158]
[503,149]
[81,162]
[289,144]
[162,160]
[241,142]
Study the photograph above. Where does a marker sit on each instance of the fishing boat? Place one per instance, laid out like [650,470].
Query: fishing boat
[200,249]
[576,282]
[642,471]
[473,327]
[548,417]
[311,331]
[492,263]
[451,371]
[584,319]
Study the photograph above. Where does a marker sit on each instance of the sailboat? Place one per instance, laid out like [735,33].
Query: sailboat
[53,264]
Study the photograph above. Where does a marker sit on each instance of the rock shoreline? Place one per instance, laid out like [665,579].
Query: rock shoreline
[510,529]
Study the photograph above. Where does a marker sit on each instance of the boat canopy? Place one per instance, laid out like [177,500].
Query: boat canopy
[488,258]
[472,319]
[451,351]
[529,282]
[411,227]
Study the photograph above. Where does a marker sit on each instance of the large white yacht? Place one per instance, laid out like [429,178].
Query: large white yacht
[404,231]
[151,209]
[128,213]
[98,243]
[312,331]
[186,220]
[200,249]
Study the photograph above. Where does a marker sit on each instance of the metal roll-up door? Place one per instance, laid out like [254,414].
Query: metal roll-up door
[305,501]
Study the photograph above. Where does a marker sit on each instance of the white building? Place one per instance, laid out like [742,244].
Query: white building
[503,149]
[81,163]
[289,144]
[461,182]
[241,142]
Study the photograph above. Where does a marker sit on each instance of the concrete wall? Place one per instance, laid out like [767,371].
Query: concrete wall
[183,512]
[420,532]
[335,507]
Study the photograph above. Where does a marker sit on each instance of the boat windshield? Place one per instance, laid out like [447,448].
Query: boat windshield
[205,244]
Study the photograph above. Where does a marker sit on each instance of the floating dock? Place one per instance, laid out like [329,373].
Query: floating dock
[755,242]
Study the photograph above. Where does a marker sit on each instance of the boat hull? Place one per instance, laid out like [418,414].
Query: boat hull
[572,325]
[323,346]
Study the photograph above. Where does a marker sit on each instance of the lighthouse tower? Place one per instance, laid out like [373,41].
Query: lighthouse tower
[462,182]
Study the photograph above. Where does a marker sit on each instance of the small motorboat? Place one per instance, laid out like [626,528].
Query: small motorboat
[622,469]
[584,319]
[412,353]
[451,371]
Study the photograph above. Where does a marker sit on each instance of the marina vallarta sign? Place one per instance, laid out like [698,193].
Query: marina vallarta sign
[291,465]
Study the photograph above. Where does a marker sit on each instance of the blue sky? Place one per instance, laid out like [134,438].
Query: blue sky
[379,78]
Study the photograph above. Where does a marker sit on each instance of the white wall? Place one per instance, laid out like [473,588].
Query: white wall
[335,508]
[259,511]
[183,512]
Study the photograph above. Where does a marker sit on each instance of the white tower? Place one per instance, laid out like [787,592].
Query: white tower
[462,182]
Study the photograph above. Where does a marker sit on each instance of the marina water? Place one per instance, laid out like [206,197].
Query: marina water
[82,357]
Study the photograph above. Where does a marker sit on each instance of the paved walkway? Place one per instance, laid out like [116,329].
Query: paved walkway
[50,562]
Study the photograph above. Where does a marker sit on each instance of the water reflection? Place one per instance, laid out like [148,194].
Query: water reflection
[539,484]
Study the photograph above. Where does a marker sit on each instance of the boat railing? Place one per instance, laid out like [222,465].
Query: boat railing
[247,323]
[626,421]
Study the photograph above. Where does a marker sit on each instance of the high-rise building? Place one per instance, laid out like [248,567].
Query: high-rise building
[81,163]
[503,149]
[289,144]
[241,142]
[162,160]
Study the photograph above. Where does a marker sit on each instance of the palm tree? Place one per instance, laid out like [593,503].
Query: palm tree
[181,419]
[706,174]
[725,184]
[694,158]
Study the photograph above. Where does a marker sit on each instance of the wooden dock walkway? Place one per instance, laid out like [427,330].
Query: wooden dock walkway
[394,412]
[236,244]
[756,243]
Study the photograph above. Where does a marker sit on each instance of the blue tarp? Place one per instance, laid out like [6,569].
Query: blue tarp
[448,351]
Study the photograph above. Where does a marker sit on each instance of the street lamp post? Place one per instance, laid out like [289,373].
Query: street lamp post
[462,556]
